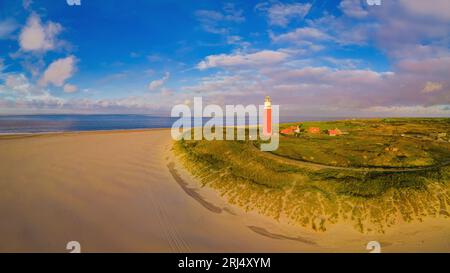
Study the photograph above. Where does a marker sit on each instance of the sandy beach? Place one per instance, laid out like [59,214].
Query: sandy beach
[125,191]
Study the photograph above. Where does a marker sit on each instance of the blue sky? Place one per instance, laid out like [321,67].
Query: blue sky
[322,57]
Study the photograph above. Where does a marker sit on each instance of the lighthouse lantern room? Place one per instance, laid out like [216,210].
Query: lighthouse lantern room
[267,118]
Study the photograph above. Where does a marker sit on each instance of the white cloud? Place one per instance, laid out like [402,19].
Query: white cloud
[233,14]
[412,29]
[38,37]
[340,30]
[166,92]
[70,88]
[436,67]
[153,85]
[339,78]
[411,111]
[18,82]
[237,40]
[436,8]
[43,100]
[280,14]
[263,57]
[431,87]
[59,71]
[7,27]
[301,34]
[217,22]
[216,84]
[353,8]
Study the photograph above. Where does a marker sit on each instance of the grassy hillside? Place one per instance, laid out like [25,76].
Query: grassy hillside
[318,196]
[382,143]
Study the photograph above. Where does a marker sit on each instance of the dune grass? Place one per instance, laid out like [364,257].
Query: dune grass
[319,197]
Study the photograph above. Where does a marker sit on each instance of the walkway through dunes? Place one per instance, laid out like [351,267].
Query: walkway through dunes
[308,164]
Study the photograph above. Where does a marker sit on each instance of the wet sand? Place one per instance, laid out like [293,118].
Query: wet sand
[124,191]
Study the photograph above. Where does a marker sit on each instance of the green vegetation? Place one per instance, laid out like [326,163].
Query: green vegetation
[372,143]
[354,177]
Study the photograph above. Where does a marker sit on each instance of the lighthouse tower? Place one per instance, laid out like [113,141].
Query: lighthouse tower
[267,118]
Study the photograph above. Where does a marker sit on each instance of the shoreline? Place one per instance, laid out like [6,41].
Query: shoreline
[82,131]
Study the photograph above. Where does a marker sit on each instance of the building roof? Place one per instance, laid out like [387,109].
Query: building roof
[314,129]
[289,130]
[334,132]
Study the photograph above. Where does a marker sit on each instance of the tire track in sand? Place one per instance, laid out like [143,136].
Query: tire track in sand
[171,234]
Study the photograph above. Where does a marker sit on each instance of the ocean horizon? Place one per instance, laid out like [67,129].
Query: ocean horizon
[45,123]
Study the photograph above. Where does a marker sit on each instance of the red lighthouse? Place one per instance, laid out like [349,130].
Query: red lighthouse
[267,118]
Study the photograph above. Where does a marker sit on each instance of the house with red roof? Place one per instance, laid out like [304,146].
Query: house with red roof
[334,132]
[314,130]
[289,130]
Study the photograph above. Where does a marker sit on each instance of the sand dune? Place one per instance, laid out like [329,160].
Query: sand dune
[124,191]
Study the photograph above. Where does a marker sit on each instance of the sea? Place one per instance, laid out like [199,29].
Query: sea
[13,124]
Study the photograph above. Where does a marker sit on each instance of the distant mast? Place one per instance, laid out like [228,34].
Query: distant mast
[267,118]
